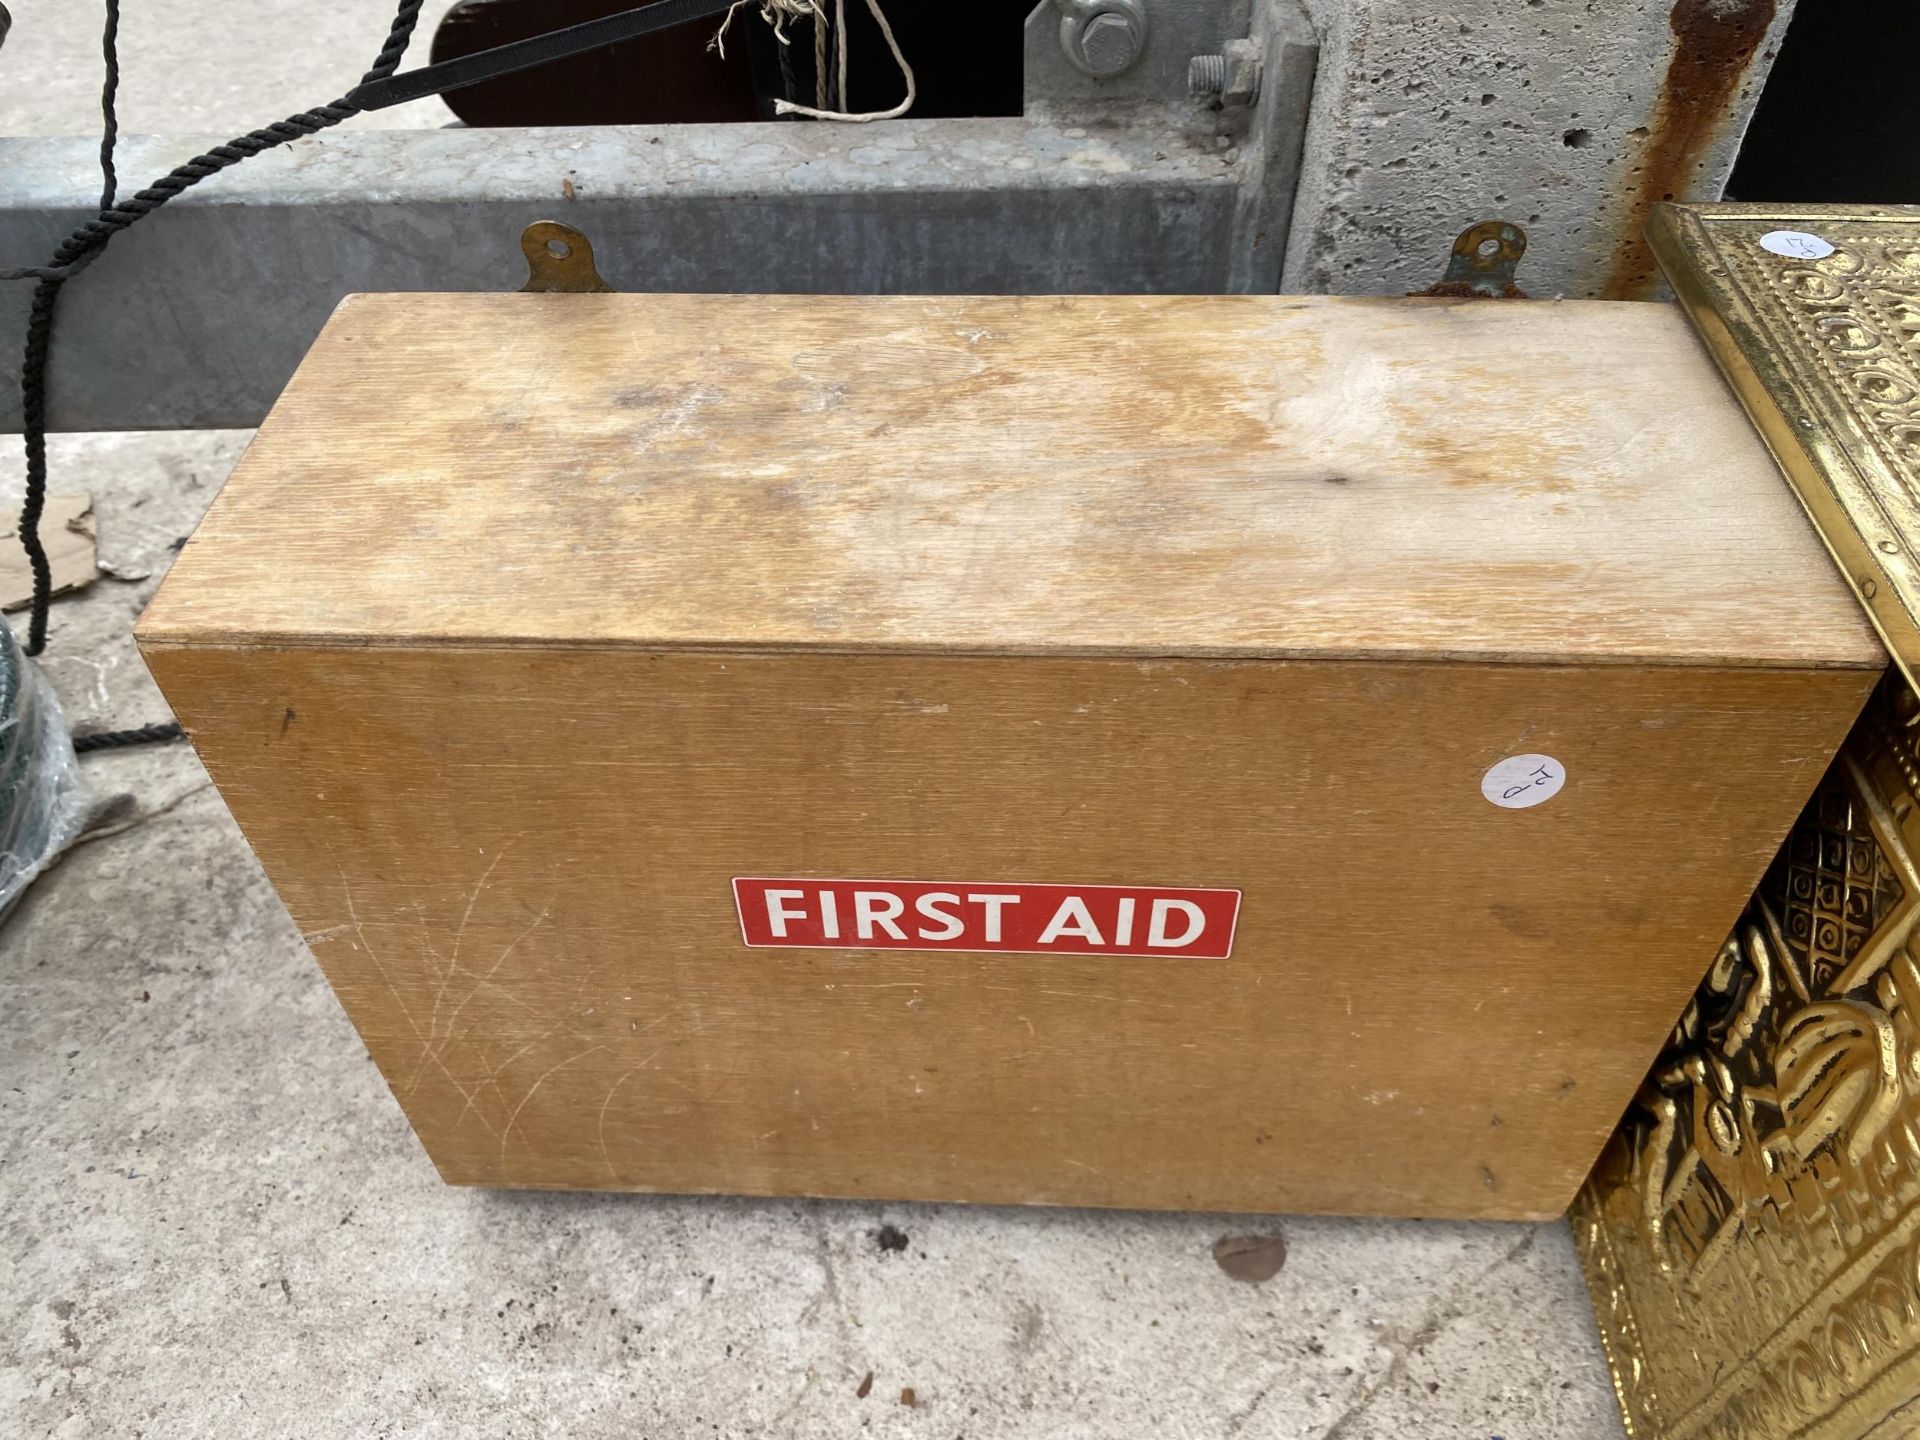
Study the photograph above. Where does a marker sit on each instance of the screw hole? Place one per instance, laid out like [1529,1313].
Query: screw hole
[1489,248]
[559,249]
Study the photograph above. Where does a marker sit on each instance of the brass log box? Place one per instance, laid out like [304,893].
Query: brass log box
[1752,1233]
[1250,752]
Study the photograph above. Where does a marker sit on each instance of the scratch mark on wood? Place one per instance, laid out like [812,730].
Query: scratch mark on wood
[493,1078]
[483,981]
[460,931]
[360,938]
[600,1125]
[545,1075]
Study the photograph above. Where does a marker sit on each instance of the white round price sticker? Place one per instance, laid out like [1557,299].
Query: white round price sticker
[1795,245]
[1520,782]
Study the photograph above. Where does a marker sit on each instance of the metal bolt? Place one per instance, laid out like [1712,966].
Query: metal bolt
[1102,38]
[1207,74]
[1233,75]
[1109,44]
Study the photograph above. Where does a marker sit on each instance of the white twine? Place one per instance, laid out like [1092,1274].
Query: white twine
[840,55]
[779,13]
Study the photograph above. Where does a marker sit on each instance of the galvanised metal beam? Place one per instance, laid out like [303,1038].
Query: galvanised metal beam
[197,316]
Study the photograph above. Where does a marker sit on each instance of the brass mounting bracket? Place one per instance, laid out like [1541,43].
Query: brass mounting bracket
[1483,262]
[560,261]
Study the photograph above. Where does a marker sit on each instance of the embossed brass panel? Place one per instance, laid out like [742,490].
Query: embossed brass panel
[1824,351]
[1751,1235]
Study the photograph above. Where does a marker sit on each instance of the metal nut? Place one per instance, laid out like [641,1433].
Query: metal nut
[1109,44]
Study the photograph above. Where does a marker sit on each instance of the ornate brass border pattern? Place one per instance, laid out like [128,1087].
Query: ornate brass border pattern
[1824,352]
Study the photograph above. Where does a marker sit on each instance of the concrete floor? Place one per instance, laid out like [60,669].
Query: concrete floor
[215,1221]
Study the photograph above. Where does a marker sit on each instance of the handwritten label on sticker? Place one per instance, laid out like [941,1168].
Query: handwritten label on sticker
[1795,245]
[1520,782]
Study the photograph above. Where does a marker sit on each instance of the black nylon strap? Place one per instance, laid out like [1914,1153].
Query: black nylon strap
[525,54]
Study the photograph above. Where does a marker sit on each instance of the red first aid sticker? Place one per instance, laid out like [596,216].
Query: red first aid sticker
[818,914]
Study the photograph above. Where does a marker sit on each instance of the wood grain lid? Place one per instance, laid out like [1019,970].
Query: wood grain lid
[1233,476]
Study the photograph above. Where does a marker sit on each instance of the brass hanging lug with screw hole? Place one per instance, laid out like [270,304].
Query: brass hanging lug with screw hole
[1484,259]
[559,261]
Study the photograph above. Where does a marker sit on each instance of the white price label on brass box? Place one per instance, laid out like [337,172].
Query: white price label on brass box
[1795,245]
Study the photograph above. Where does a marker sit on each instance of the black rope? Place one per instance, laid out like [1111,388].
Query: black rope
[156,734]
[789,82]
[84,244]
[109,88]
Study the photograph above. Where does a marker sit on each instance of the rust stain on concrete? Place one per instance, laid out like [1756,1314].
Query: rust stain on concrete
[1714,42]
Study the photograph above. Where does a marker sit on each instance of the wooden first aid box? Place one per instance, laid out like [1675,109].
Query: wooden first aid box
[1238,752]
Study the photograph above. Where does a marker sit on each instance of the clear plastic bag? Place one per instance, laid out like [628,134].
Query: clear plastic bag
[44,804]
